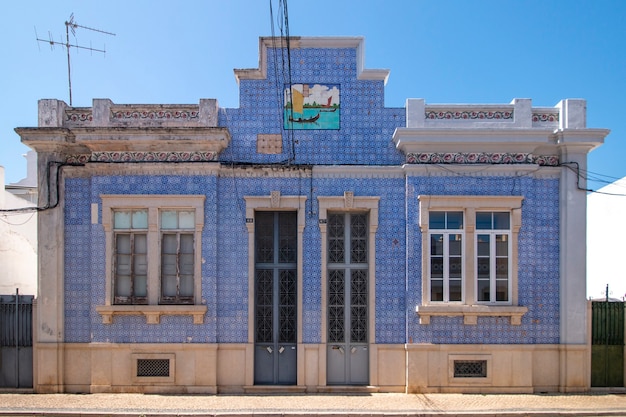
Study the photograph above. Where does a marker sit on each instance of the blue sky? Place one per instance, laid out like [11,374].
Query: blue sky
[444,51]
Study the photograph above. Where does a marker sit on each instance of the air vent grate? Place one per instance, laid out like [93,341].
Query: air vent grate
[470,369]
[153,367]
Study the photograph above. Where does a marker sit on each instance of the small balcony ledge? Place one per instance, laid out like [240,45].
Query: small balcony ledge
[153,313]
[471,313]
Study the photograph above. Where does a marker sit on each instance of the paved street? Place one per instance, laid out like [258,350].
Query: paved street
[312,405]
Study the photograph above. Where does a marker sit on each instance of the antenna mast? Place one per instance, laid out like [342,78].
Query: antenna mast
[72,25]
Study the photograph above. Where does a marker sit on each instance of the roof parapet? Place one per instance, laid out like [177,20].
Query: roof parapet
[105,113]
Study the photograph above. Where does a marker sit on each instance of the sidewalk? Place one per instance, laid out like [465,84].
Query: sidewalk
[430,405]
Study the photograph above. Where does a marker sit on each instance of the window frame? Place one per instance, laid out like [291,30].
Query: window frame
[155,204]
[493,233]
[470,308]
[446,233]
[178,232]
[132,232]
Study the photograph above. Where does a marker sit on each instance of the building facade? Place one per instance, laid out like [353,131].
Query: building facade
[18,232]
[312,239]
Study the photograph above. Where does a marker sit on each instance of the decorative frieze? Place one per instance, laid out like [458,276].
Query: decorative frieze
[480,158]
[143,157]
[545,117]
[154,114]
[469,115]
[78,116]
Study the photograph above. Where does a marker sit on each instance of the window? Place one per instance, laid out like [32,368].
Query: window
[131,253]
[469,260]
[493,241]
[177,256]
[153,255]
[446,255]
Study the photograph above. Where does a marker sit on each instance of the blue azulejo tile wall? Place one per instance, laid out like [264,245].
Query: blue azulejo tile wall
[363,136]
[85,262]
[538,260]
[232,262]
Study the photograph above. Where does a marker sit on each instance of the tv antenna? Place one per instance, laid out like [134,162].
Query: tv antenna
[72,25]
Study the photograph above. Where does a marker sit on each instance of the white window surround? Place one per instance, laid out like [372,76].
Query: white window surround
[470,309]
[154,203]
[274,202]
[349,203]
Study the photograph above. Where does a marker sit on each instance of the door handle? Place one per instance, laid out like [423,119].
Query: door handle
[281,350]
[269,349]
[339,348]
[353,350]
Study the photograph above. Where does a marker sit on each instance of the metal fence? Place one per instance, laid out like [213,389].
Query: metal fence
[16,341]
[607,344]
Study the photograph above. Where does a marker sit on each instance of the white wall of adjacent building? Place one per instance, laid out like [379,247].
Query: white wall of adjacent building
[18,233]
[606,241]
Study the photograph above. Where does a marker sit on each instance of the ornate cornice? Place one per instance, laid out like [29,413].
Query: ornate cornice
[480,158]
[143,157]
[545,117]
[79,115]
[155,115]
[469,115]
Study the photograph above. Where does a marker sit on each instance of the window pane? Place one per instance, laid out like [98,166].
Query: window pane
[483,268]
[168,286]
[483,290]
[455,290]
[436,290]
[437,220]
[168,264]
[122,265]
[436,245]
[140,265]
[140,219]
[186,220]
[140,243]
[502,267]
[186,264]
[454,266]
[482,245]
[483,220]
[141,286]
[502,290]
[501,220]
[122,286]
[121,220]
[455,220]
[169,244]
[186,243]
[454,248]
[169,219]
[436,267]
[122,244]
[502,245]
[186,285]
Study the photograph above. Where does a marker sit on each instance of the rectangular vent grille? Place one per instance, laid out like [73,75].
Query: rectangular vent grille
[470,369]
[153,367]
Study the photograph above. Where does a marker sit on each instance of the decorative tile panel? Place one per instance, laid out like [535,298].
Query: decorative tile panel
[469,115]
[137,156]
[480,158]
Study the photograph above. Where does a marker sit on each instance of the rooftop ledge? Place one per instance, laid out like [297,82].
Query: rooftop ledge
[153,313]
[470,313]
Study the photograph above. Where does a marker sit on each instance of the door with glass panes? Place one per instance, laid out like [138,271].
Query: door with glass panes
[275,296]
[347,303]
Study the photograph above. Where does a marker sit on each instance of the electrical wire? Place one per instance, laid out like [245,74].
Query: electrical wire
[577,171]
